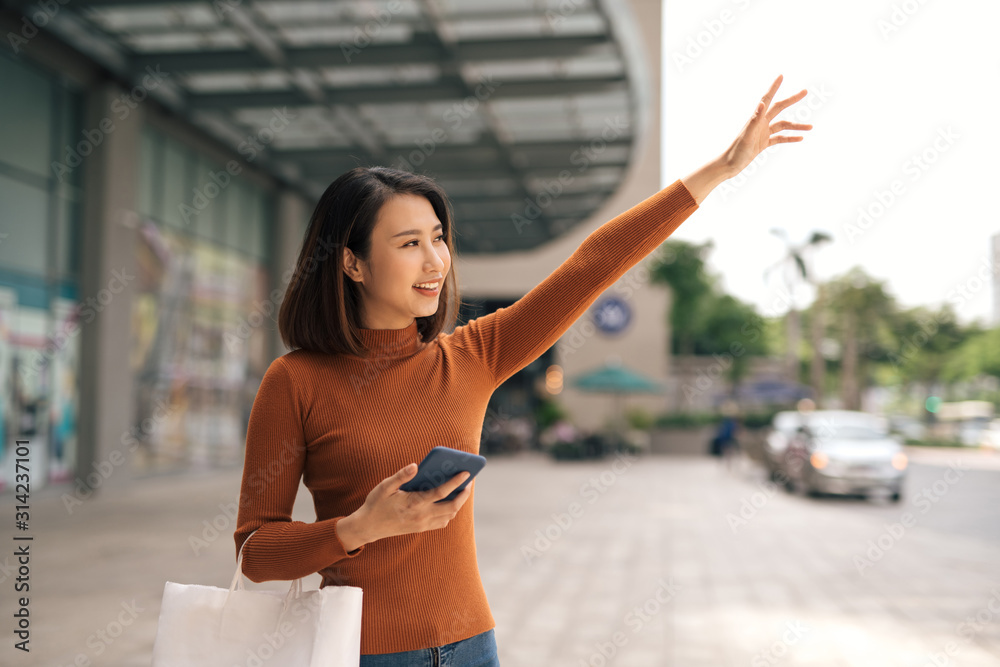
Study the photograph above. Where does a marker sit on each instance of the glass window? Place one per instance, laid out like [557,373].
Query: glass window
[26,119]
[24,211]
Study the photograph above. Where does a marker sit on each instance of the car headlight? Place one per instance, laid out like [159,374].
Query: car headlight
[819,460]
[899,461]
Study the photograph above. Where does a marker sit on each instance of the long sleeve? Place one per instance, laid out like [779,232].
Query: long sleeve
[511,338]
[273,465]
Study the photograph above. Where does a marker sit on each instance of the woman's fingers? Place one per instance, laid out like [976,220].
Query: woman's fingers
[785,103]
[782,139]
[788,125]
[769,95]
[445,489]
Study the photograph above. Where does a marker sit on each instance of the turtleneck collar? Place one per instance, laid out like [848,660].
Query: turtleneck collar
[392,342]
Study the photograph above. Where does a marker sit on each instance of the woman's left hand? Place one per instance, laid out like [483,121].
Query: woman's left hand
[759,132]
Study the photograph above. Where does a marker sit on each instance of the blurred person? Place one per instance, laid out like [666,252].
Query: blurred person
[724,444]
[372,382]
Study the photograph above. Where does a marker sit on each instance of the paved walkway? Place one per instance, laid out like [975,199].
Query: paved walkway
[662,561]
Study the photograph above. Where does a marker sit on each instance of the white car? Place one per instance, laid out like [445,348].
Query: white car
[841,452]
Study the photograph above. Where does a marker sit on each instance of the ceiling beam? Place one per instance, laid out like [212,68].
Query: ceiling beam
[482,150]
[421,49]
[451,89]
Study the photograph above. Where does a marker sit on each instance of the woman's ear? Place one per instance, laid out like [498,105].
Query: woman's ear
[352,266]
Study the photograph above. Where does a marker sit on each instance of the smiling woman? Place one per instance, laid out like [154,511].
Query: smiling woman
[375,383]
[396,231]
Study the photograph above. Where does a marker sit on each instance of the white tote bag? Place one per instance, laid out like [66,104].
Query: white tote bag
[205,626]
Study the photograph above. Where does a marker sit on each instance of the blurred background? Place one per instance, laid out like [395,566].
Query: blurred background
[800,387]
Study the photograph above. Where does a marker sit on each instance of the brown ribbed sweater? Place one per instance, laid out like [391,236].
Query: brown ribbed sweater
[346,423]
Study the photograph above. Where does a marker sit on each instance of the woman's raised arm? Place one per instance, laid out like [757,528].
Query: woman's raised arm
[509,339]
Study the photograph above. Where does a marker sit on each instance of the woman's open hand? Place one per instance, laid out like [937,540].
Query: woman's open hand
[756,136]
[759,132]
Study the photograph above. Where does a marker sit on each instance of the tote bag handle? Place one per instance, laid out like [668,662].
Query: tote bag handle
[294,590]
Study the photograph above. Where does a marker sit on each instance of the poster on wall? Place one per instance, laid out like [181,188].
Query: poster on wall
[25,394]
[196,348]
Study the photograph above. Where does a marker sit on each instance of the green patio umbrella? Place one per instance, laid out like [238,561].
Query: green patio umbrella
[615,379]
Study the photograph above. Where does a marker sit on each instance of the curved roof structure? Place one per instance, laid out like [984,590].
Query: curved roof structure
[523,110]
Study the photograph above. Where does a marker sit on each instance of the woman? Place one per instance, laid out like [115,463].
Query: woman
[373,383]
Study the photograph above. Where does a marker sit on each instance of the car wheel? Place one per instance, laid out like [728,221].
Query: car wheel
[895,497]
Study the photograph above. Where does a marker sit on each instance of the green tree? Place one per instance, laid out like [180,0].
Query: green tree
[681,266]
[731,327]
[862,310]
[703,320]
[979,354]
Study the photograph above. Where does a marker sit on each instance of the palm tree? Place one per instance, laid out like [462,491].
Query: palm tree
[796,269]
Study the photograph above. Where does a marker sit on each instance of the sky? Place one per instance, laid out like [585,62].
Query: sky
[906,128]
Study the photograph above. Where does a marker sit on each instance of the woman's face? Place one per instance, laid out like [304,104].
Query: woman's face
[408,248]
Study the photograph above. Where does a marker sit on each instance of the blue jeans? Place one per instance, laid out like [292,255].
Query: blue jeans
[478,651]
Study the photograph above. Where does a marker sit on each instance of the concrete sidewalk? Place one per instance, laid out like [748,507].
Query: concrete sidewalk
[650,562]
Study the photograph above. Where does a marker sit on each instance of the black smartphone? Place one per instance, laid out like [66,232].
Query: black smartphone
[440,465]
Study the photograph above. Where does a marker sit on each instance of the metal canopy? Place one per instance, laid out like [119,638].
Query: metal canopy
[523,110]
